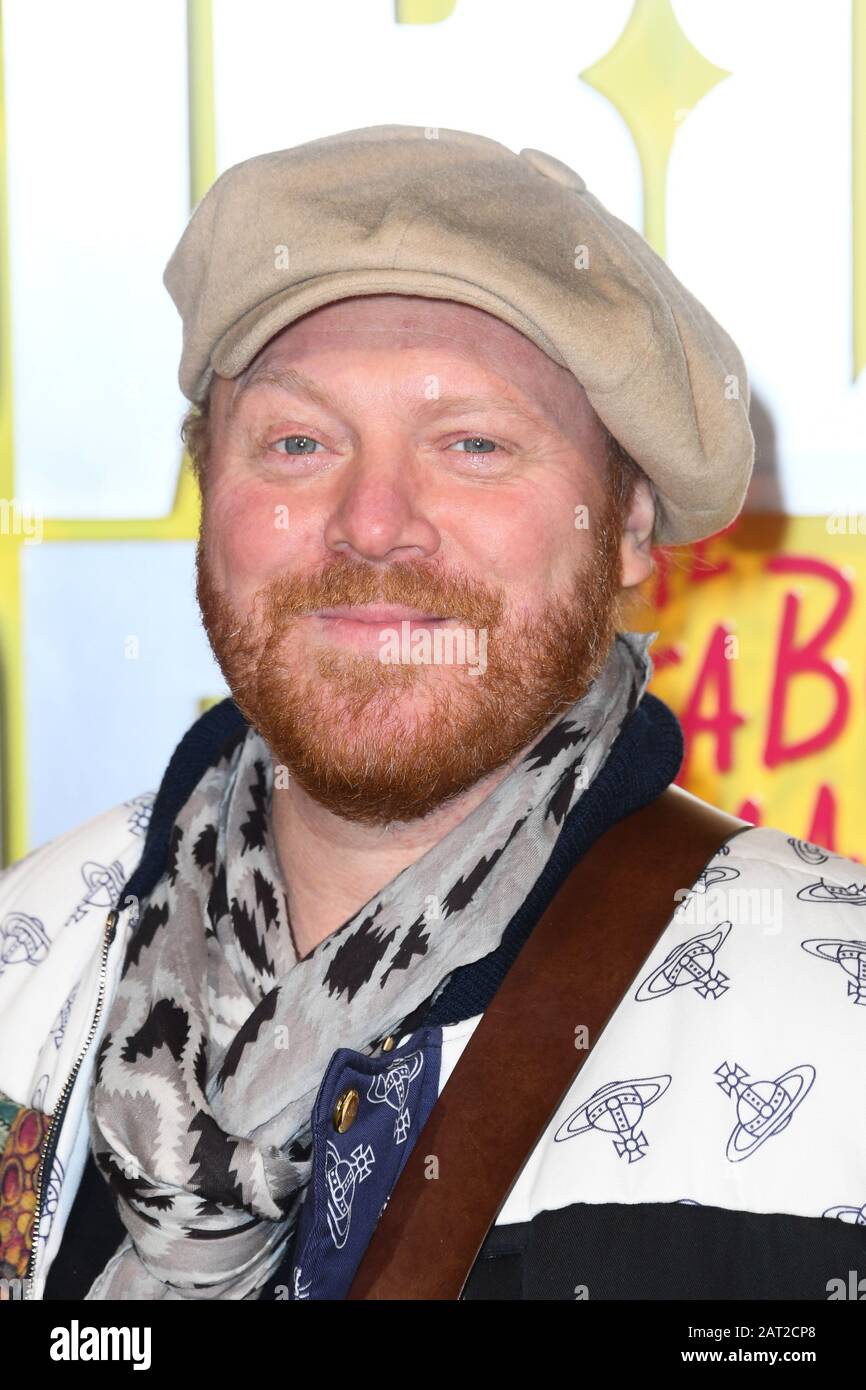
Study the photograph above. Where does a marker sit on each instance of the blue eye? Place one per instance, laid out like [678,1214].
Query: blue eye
[304,438]
[478,444]
[475,439]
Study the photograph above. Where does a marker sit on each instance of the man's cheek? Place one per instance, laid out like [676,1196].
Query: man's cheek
[246,545]
[523,559]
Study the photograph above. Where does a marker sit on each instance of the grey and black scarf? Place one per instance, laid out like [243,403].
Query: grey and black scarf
[218,1035]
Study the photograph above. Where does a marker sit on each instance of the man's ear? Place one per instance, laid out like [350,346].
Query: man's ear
[636,550]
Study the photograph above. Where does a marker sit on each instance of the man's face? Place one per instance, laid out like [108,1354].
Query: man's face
[424,460]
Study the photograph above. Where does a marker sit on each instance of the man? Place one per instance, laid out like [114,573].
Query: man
[443,404]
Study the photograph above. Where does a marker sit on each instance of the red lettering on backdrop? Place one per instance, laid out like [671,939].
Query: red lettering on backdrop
[822,831]
[661,576]
[700,565]
[705,566]
[715,673]
[792,660]
[667,656]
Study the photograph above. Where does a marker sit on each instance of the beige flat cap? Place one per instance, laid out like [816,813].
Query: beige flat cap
[452,215]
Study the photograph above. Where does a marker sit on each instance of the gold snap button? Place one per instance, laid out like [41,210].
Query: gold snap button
[389,1044]
[345,1110]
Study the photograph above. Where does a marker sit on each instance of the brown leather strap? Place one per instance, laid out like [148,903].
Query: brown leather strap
[513,1074]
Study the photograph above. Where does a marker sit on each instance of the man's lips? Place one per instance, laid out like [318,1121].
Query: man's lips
[377,614]
[363,626]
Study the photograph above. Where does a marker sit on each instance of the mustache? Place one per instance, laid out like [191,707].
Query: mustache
[407,583]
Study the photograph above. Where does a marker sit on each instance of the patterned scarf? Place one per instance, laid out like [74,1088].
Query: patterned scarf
[218,1035]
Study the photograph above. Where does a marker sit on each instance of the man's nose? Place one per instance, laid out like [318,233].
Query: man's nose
[379,512]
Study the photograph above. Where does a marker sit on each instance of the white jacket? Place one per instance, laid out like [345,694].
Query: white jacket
[735,1063]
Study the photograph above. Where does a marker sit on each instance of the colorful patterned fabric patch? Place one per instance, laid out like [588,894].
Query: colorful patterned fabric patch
[8,1110]
[23,1134]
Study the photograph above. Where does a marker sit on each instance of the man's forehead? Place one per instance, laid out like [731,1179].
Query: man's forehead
[397,318]
[459,333]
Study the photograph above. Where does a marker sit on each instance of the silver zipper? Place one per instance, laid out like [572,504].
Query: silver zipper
[47,1154]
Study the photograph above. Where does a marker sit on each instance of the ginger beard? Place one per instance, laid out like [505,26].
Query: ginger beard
[378,743]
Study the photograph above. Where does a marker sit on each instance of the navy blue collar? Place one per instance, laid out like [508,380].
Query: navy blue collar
[643,760]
